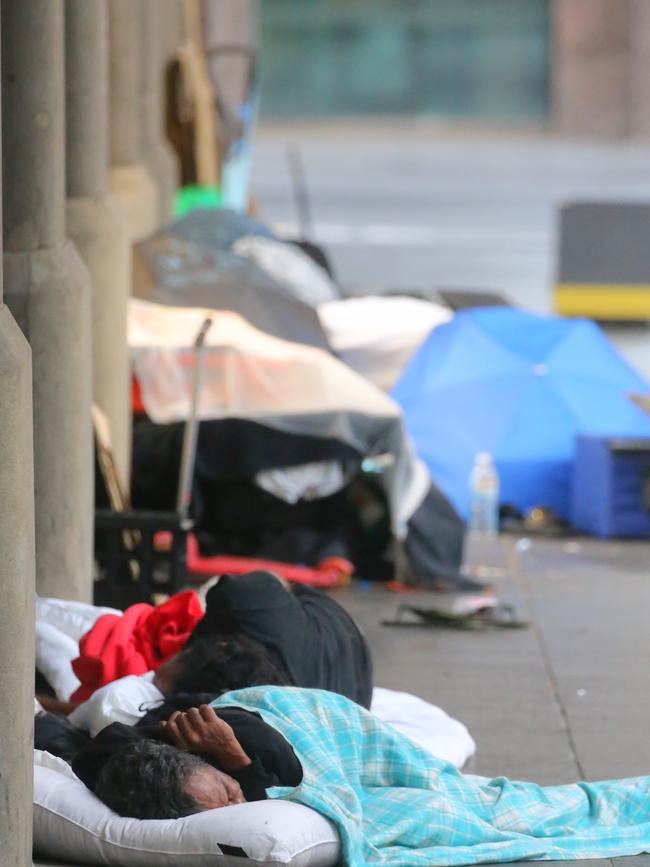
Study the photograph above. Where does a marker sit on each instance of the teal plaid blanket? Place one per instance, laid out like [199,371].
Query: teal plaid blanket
[394,804]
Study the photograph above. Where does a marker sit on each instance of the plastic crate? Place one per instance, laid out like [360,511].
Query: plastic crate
[610,493]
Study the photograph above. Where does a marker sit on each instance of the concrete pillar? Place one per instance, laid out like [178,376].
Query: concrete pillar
[17,592]
[129,178]
[158,155]
[95,220]
[47,288]
[590,86]
[17,589]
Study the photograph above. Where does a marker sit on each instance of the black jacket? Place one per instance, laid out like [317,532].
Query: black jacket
[310,636]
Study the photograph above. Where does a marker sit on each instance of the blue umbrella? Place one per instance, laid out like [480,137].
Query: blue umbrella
[522,387]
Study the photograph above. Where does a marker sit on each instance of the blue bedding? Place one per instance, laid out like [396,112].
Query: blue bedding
[394,804]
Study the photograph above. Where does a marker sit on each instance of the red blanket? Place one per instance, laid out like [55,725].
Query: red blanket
[135,642]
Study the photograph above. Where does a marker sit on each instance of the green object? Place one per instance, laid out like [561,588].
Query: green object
[193,196]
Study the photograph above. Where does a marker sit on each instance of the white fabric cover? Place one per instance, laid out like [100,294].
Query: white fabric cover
[289,265]
[423,722]
[60,623]
[54,652]
[303,482]
[125,700]
[246,373]
[70,617]
[70,823]
[377,335]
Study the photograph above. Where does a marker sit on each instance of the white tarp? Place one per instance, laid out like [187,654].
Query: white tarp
[247,373]
[377,335]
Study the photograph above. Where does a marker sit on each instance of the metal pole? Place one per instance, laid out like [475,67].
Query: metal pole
[191,434]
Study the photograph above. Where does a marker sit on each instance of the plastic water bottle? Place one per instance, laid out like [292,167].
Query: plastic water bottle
[484,496]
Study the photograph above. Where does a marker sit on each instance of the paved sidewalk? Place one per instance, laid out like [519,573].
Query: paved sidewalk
[567,697]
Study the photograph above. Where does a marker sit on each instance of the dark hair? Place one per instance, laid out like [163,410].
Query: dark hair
[216,665]
[146,780]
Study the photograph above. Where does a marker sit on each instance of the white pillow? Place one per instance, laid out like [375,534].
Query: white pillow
[427,725]
[70,823]
[70,617]
[54,652]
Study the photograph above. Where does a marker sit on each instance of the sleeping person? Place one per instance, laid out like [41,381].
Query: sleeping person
[257,629]
[199,673]
[196,760]
[392,802]
[311,639]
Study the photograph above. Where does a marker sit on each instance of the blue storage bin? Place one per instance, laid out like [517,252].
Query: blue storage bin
[610,486]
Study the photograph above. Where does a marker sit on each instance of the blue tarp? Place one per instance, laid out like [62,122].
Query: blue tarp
[522,387]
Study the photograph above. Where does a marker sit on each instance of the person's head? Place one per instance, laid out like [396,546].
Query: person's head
[151,780]
[215,665]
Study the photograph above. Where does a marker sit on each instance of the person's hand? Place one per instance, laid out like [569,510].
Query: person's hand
[200,730]
[55,705]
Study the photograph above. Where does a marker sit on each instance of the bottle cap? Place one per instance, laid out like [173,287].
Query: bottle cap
[483,458]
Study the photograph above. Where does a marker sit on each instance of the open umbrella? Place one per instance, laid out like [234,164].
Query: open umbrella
[522,387]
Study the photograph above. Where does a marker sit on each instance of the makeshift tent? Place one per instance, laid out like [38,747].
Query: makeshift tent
[376,335]
[193,263]
[282,405]
[520,386]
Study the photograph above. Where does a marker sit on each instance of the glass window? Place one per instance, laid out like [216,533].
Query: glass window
[455,58]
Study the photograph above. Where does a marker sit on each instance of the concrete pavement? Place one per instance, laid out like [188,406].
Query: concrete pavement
[566,698]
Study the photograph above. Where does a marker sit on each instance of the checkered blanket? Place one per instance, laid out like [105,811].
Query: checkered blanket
[394,804]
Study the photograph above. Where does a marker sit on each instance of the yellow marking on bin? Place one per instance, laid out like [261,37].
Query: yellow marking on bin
[626,301]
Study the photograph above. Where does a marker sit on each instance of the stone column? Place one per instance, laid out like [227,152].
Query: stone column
[95,220]
[17,589]
[590,81]
[129,178]
[17,592]
[47,288]
[159,157]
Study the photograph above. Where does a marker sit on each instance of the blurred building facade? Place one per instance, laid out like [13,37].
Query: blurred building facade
[571,66]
